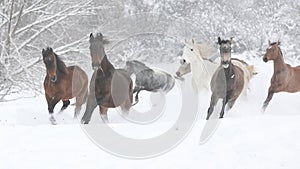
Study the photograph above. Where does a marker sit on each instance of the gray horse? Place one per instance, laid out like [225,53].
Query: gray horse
[146,78]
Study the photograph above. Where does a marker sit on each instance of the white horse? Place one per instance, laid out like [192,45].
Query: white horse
[195,59]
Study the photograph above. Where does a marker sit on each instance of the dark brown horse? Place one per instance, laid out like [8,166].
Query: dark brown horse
[285,77]
[227,82]
[63,83]
[112,87]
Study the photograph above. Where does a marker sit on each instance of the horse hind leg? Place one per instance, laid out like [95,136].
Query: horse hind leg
[66,103]
[79,101]
[128,102]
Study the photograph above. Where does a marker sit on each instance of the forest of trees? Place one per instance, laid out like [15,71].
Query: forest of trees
[148,30]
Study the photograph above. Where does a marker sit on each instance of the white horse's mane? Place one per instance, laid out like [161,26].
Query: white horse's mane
[205,50]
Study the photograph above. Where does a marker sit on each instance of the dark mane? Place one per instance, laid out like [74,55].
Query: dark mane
[60,64]
[225,41]
[137,63]
[274,43]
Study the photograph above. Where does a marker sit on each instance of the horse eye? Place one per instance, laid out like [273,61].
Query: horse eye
[192,50]
[183,61]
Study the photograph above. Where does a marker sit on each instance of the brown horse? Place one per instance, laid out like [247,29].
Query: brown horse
[112,87]
[227,82]
[285,77]
[63,83]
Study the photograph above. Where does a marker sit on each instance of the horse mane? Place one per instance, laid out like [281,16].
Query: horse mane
[60,64]
[205,50]
[138,63]
[273,43]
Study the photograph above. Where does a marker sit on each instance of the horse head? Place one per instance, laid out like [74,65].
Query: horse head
[272,51]
[189,55]
[97,49]
[225,51]
[50,63]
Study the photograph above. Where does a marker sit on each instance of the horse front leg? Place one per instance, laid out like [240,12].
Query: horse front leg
[90,106]
[66,103]
[225,100]
[268,99]
[52,101]
[210,110]
[103,113]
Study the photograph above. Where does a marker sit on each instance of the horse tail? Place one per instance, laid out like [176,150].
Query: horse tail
[251,70]
[172,82]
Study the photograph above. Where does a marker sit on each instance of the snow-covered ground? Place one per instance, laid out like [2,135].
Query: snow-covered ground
[245,138]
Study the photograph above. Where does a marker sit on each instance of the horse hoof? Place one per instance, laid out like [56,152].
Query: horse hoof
[84,122]
[53,121]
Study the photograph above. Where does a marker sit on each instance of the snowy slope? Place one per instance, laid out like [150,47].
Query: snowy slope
[245,138]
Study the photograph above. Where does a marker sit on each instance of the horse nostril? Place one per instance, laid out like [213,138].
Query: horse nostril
[265,59]
[95,66]
[53,79]
[178,74]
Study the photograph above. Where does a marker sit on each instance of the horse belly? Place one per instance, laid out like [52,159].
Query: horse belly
[77,83]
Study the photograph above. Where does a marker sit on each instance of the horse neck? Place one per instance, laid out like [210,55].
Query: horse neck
[106,65]
[206,67]
[61,67]
[229,71]
[279,64]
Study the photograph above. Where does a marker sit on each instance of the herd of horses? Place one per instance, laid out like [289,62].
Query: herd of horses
[111,87]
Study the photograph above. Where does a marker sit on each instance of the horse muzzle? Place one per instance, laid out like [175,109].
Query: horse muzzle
[95,66]
[178,74]
[225,64]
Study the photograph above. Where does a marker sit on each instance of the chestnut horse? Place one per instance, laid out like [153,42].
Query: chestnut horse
[63,83]
[112,87]
[227,82]
[285,77]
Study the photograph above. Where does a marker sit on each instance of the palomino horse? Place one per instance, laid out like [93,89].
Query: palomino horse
[152,80]
[195,60]
[227,82]
[113,87]
[285,77]
[63,83]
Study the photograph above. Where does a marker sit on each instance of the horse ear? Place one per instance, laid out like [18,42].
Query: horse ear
[231,39]
[91,35]
[278,42]
[269,42]
[193,41]
[43,50]
[219,40]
